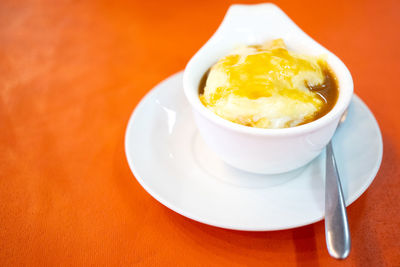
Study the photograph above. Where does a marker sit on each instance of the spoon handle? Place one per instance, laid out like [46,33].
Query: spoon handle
[336,225]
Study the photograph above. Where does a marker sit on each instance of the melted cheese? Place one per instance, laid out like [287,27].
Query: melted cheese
[265,86]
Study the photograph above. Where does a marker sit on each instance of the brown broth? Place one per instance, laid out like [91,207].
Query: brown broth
[327,92]
[203,82]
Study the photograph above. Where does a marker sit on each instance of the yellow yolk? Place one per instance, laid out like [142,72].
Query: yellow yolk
[265,86]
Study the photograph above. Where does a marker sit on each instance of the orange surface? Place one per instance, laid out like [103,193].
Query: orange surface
[71,73]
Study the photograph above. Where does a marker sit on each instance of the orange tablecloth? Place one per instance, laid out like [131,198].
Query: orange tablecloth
[71,73]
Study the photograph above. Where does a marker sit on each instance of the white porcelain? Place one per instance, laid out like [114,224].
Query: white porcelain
[256,150]
[170,160]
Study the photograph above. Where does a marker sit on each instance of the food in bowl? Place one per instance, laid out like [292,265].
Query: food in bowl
[263,150]
[268,86]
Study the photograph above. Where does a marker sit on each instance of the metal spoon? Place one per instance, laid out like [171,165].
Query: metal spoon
[336,225]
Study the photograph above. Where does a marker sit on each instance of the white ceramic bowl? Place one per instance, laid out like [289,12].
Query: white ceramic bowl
[266,151]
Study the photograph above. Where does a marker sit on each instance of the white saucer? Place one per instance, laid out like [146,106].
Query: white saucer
[170,160]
